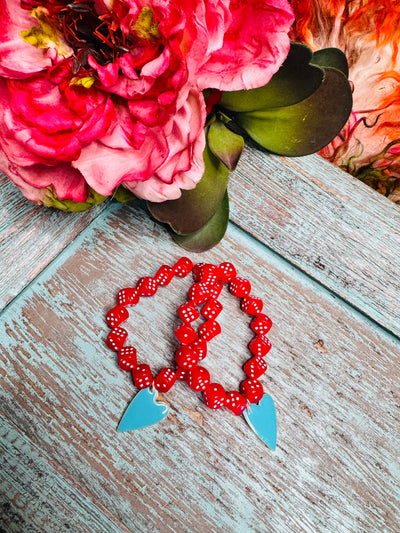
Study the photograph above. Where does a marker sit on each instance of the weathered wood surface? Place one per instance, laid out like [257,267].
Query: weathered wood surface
[333,374]
[33,486]
[303,208]
[332,226]
[31,237]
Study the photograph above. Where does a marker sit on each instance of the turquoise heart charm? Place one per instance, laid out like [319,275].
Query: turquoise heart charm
[143,411]
[261,418]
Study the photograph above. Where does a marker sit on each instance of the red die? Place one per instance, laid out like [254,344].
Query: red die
[142,377]
[165,379]
[214,395]
[209,274]
[261,324]
[116,338]
[260,346]
[186,358]
[235,402]
[215,290]
[197,271]
[180,373]
[116,316]
[198,378]
[188,312]
[255,367]
[199,293]
[127,358]
[146,286]
[240,287]
[128,296]
[185,334]
[227,272]
[164,275]
[209,329]
[211,309]
[199,346]
[182,267]
[252,390]
[252,305]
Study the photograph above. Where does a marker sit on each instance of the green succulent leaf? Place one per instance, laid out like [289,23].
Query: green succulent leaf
[307,126]
[296,80]
[225,144]
[123,195]
[93,198]
[331,58]
[195,208]
[210,234]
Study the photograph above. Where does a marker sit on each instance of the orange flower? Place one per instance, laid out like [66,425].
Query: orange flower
[368,32]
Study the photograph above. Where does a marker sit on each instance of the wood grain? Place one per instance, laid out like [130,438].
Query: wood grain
[332,372]
[327,223]
[33,487]
[31,237]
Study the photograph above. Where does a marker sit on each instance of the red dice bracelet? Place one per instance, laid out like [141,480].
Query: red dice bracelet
[208,284]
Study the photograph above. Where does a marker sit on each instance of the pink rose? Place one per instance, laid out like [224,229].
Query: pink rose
[99,94]
[255,44]
[18,59]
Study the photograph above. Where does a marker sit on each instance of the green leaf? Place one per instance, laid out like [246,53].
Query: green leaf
[195,208]
[331,58]
[210,234]
[225,144]
[69,205]
[123,195]
[296,80]
[307,126]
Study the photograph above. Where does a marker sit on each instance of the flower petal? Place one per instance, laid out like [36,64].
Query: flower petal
[254,47]
[115,158]
[368,33]
[18,59]
[184,166]
[34,181]
[41,124]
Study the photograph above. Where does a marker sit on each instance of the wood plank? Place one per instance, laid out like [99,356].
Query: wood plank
[321,219]
[31,237]
[333,373]
[37,496]
[324,221]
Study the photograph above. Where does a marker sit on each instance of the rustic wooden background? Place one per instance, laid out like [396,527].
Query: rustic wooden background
[321,249]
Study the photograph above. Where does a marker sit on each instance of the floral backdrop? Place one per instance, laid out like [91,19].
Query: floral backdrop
[153,100]
[111,92]
[368,32]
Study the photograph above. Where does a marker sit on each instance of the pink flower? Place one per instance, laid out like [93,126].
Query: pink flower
[369,33]
[108,93]
[18,59]
[170,157]
[255,44]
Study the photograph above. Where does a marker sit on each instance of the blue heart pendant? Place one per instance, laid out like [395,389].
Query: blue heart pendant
[143,411]
[261,418]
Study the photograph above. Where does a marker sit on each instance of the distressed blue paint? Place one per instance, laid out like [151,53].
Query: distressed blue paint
[327,223]
[31,237]
[35,487]
[143,411]
[202,470]
[261,418]
[214,474]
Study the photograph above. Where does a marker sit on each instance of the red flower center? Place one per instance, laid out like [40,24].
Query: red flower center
[87,33]
[99,36]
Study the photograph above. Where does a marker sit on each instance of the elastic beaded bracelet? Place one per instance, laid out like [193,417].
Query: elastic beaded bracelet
[208,283]
[198,378]
[127,356]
